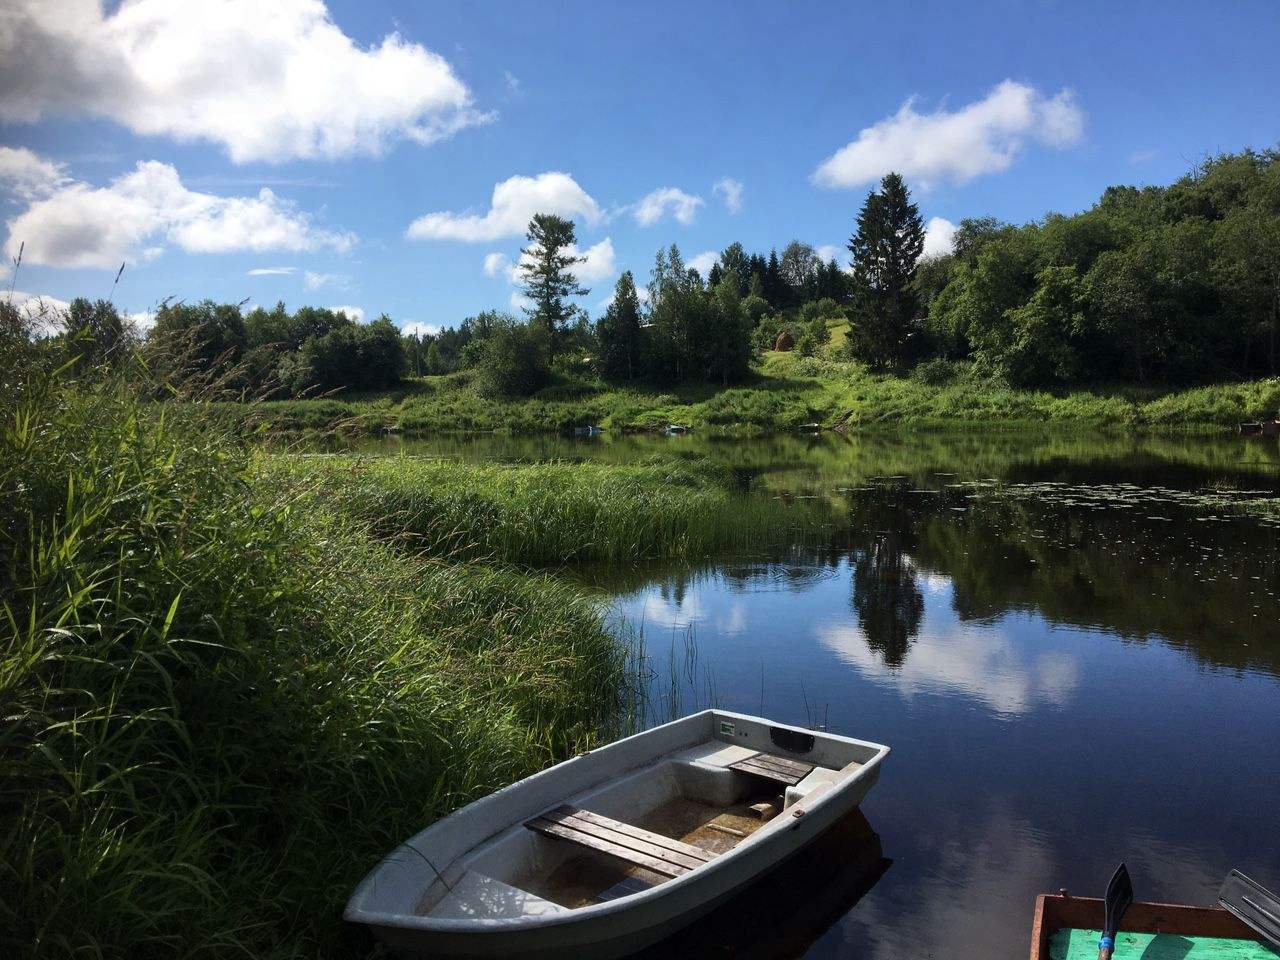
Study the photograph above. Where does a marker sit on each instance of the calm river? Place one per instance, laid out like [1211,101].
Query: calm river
[1071,643]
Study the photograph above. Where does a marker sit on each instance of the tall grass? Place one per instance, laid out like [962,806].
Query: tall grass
[224,701]
[545,514]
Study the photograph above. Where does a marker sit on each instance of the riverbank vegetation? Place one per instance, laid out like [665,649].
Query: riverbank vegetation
[787,393]
[228,687]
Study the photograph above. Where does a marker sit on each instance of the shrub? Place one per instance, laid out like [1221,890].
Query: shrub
[514,362]
[936,372]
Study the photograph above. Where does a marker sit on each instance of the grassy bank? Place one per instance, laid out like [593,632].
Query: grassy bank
[224,700]
[786,391]
[545,514]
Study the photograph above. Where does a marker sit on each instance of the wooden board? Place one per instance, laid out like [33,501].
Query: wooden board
[643,848]
[777,769]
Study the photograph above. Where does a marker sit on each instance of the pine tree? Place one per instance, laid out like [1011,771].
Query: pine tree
[547,276]
[775,290]
[618,331]
[885,249]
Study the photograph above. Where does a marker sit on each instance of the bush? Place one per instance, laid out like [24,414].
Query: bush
[937,372]
[514,362]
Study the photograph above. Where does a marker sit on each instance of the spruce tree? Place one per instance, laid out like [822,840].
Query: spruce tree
[775,291]
[546,273]
[618,331]
[885,249]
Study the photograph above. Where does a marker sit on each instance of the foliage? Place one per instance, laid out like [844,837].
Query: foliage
[696,330]
[273,351]
[96,333]
[1175,285]
[214,332]
[356,356]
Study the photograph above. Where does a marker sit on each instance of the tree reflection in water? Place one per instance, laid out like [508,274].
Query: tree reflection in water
[886,598]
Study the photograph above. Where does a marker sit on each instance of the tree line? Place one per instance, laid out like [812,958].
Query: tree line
[262,353]
[1173,285]
[1176,285]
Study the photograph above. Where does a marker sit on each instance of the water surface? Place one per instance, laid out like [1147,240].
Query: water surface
[1069,641]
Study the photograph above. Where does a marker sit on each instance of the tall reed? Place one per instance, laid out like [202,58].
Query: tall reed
[224,701]
[548,513]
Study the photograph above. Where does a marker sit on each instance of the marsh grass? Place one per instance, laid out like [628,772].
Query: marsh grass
[224,700]
[546,514]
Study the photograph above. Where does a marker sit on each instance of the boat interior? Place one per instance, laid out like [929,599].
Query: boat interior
[627,835]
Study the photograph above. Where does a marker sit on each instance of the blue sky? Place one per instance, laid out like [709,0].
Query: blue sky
[386,157]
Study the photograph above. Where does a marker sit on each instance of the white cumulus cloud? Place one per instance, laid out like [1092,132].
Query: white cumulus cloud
[140,212]
[497,264]
[271,271]
[664,200]
[417,328]
[270,82]
[599,263]
[730,191]
[982,137]
[28,176]
[939,237]
[513,205]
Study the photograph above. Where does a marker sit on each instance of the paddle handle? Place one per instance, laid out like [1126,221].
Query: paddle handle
[1106,946]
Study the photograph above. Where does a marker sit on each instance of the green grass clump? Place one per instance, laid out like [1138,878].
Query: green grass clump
[223,701]
[1226,404]
[544,514]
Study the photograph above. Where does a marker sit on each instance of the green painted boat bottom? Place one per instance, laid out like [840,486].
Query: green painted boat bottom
[1083,945]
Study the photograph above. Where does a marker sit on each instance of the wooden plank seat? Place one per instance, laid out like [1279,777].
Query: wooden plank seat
[642,848]
[778,769]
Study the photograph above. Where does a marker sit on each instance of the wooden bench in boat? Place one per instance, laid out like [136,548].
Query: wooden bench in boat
[770,767]
[642,848]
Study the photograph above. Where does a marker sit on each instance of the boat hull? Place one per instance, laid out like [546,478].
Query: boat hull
[386,902]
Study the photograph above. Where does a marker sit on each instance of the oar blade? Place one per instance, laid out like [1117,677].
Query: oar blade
[1252,903]
[1119,897]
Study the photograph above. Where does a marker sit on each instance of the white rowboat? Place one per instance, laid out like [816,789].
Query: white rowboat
[608,852]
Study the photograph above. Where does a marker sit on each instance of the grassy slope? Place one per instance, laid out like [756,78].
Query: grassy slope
[786,392]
